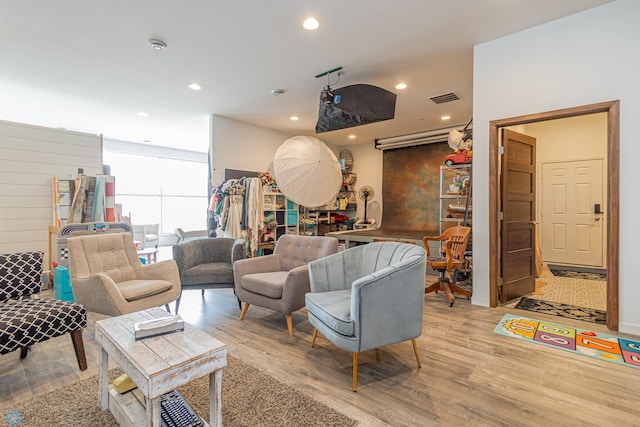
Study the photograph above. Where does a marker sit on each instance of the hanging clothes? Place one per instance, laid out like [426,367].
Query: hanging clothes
[231,215]
[254,212]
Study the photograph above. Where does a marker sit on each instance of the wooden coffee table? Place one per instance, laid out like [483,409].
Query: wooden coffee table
[156,365]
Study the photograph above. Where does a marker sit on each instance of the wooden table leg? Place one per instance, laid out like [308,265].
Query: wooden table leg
[215,398]
[103,380]
[153,412]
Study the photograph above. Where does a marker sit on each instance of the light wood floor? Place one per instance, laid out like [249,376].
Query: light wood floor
[469,375]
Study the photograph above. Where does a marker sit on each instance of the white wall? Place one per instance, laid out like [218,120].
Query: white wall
[242,146]
[367,164]
[582,59]
[29,158]
[573,138]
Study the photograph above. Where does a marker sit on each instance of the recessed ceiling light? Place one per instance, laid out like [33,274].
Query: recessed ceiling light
[143,114]
[311,24]
[157,44]
[194,86]
[445,117]
[294,118]
[352,137]
[401,86]
[277,92]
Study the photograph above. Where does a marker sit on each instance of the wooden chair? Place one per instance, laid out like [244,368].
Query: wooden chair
[452,262]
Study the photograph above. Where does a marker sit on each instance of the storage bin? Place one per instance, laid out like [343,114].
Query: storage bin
[292,218]
[62,284]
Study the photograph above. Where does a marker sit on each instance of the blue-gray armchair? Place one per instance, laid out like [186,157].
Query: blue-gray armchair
[368,296]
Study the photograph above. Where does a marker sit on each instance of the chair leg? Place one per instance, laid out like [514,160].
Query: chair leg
[289,323]
[442,285]
[355,371]
[453,284]
[78,347]
[178,302]
[415,350]
[166,306]
[244,310]
[434,287]
[203,293]
[239,302]
[24,351]
[315,335]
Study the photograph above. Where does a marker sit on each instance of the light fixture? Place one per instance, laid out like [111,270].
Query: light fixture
[311,24]
[294,118]
[194,86]
[143,114]
[277,92]
[445,117]
[157,44]
[352,137]
[401,86]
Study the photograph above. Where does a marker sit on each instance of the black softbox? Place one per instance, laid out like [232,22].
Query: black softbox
[354,105]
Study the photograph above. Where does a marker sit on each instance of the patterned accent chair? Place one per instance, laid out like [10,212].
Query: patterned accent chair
[25,321]
[280,280]
[368,297]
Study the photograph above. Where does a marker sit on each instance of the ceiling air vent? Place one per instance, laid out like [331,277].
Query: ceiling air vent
[446,97]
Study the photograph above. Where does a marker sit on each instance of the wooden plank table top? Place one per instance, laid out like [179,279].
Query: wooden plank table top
[160,364]
[382,234]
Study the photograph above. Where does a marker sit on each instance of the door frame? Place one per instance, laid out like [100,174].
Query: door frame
[612,108]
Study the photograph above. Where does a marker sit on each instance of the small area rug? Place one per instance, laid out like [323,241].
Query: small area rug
[578,272]
[562,310]
[585,342]
[250,397]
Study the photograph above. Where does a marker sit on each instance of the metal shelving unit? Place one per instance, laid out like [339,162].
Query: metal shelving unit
[452,194]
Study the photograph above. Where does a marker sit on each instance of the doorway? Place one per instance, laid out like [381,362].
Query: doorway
[612,190]
[572,230]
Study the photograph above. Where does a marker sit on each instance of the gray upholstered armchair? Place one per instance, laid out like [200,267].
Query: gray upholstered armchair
[107,275]
[280,281]
[368,296]
[208,263]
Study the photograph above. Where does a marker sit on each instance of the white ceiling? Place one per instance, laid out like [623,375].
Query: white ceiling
[87,65]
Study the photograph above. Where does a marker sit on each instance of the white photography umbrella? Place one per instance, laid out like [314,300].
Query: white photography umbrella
[307,171]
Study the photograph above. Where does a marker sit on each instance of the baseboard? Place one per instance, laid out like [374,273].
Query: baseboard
[484,302]
[629,328]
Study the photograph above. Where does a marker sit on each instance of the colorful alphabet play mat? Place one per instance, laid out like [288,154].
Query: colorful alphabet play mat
[582,341]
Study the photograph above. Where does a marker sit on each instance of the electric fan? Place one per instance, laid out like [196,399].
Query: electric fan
[366,193]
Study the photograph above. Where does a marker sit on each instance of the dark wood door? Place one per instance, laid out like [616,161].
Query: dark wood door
[517,230]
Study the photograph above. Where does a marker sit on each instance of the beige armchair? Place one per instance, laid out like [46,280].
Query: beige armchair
[107,275]
[280,281]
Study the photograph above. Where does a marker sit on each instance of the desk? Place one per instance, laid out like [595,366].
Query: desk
[359,237]
[156,365]
[150,253]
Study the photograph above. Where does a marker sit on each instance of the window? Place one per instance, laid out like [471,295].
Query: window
[171,192]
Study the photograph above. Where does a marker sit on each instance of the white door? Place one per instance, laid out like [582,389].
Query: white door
[572,228]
